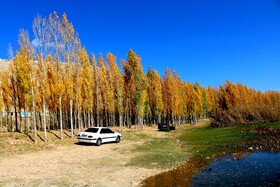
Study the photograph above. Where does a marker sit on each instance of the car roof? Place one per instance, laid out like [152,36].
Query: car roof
[100,127]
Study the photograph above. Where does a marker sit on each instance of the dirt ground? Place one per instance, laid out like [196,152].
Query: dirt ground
[75,165]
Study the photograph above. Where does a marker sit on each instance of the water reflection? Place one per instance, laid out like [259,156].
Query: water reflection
[249,169]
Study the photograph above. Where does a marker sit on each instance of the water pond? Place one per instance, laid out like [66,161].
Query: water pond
[240,169]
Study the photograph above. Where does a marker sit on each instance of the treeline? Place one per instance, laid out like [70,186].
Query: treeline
[63,87]
[238,104]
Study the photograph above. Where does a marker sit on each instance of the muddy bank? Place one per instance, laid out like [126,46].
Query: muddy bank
[181,176]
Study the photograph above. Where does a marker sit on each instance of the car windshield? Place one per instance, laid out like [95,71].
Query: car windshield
[94,130]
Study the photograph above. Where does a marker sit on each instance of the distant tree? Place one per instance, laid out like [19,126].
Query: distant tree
[24,64]
[172,96]
[136,86]
[212,100]
[86,82]
[7,95]
[154,89]
[104,88]
[72,45]
[96,88]
[117,82]
[40,31]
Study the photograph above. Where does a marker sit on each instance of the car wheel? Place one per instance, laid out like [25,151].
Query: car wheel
[98,142]
[118,139]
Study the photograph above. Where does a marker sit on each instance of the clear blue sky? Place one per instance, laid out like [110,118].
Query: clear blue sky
[205,41]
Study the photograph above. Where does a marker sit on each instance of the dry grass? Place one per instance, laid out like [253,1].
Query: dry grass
[20,143]
[64,163]
[13,143]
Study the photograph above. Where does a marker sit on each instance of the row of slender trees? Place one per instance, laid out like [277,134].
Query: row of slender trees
[63,87]
[238,104]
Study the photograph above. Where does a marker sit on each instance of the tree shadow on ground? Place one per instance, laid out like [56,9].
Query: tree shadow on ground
[40,137]
[54,134]
[30,138]
[67,134]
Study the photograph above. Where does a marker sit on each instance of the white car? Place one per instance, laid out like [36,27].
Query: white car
[99,135]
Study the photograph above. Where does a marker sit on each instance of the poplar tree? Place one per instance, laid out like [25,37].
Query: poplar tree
[105,89]
[86,82]
[117,81]
[24,64]
[7,95]
[96,88]
[154,89]
[40,31]
[136,84]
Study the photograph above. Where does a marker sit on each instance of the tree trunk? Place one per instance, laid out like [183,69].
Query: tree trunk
[16,118]
[71,119]
[125,119]
[75,119]
[40,121]
[79,122]
[120,121]
[44,102]
[91,119]
[60,118]
[28,125]
[34,117]
[97,118]
[84,118]
[65,122]
[88,119]
[7,121]
[20,120]
[44,120]
[25,125]
[51,120]
[140,121]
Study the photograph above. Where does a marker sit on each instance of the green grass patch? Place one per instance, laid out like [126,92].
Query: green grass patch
[214,141]
[159,153]
[258,126]
[134,136]
[208,142]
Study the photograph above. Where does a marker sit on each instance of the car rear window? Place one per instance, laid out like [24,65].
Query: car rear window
[94,130]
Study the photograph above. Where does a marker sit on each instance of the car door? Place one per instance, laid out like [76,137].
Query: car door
[107,135]
[111,135]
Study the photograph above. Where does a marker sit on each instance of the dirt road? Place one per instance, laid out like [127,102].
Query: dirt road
[75,165]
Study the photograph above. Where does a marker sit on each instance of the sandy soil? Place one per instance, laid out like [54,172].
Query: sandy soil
[75,165]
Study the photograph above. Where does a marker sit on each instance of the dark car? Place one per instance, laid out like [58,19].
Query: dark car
[165,127]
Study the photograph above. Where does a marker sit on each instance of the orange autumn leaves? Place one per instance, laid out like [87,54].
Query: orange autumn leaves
[239,104]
